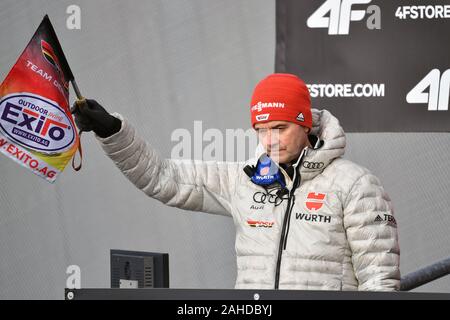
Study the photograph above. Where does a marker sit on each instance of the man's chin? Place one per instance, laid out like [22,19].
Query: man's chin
[277,157]
[282,158]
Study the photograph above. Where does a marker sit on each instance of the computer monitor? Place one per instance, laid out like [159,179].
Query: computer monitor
[135,269]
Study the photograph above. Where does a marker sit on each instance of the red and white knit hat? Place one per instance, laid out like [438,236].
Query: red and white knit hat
[281,96]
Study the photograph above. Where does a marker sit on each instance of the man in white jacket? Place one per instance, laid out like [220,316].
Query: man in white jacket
[309,220]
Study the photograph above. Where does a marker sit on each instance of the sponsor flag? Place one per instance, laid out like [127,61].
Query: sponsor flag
[36,127]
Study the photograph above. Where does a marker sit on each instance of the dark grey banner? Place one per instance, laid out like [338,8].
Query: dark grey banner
[376,65]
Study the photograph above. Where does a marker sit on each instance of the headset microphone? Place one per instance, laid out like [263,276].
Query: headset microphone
[267,173]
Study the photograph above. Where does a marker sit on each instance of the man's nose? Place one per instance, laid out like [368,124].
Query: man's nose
[267,137]
[271,138]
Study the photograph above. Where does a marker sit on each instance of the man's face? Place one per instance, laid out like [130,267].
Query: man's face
[282,140]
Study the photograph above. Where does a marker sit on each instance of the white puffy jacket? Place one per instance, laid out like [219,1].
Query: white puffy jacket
[337,231]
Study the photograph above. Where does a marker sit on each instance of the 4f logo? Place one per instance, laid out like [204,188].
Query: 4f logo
[337,14]
[438,92]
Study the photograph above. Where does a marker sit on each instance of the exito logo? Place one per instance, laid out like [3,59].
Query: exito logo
[36,123]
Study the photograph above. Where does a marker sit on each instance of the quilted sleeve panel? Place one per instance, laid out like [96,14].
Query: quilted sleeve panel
[186,184]
[372,235]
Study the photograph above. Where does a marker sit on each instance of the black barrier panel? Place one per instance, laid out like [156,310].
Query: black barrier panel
[240,294]
[376,65]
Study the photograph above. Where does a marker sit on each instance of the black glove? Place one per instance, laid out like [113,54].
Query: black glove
[91,116]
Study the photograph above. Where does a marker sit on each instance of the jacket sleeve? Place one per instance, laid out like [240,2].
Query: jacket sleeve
[372,235]
[186,184]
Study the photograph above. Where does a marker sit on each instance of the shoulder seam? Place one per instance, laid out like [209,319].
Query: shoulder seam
[353,185]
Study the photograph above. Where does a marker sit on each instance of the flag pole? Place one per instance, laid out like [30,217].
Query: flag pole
[77,90]
[80,99]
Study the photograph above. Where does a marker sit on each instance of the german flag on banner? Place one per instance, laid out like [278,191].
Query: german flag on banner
[49,55]
[36,127]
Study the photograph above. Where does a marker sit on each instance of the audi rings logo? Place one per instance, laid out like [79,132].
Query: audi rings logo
[268,197]
[313,165]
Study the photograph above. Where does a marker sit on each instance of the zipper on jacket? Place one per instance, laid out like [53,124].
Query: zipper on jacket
[289,222]
[286,221]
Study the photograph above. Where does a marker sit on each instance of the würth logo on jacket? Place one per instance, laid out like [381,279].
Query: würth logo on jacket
[312,217]
[314,201]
